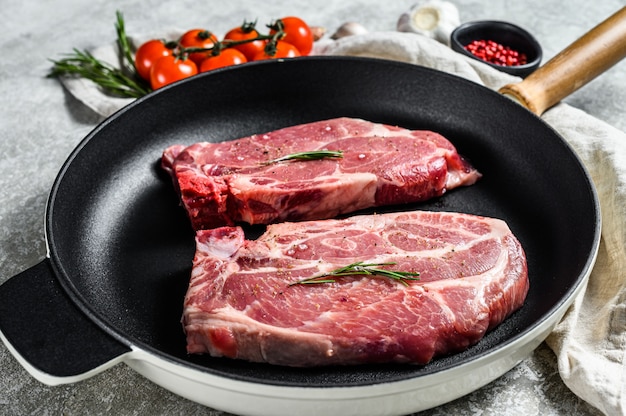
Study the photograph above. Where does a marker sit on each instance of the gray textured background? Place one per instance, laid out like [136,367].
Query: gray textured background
[41,124]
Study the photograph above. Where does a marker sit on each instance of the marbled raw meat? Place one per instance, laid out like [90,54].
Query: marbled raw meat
[240,304]
[228,183]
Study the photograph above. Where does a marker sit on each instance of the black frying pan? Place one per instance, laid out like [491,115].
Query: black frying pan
[120,246]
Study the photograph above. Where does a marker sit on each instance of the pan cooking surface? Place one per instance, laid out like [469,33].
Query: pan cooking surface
[123,246]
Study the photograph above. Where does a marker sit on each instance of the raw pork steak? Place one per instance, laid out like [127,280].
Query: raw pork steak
[240,303]
[230,182]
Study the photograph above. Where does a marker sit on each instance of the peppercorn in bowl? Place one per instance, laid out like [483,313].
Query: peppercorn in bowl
[501,45]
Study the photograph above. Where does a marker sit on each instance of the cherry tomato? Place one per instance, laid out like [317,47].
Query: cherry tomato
[298,33]
[198,38]
[283,50]
[244,32]
[170,69]
[148,53]
[226,57]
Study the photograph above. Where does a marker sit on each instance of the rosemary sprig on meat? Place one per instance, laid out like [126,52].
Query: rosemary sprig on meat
[360,269]
[310,155]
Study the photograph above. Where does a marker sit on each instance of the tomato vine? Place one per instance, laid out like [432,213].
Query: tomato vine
[139,73]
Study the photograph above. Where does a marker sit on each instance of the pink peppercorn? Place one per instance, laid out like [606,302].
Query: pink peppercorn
[496,53]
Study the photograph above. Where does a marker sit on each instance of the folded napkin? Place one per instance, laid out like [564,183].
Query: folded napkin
[590,341]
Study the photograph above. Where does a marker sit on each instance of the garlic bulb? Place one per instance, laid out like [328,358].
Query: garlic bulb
[349,29]
[435,19]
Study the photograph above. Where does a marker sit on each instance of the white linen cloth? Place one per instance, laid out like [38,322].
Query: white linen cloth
[590,341]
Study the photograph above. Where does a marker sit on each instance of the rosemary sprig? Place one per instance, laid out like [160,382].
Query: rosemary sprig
[310,155]
[128,61]
[85,65]
[122,82]
[360,269]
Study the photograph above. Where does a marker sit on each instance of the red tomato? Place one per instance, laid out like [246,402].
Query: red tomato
[198,38]
[283,50]
[226,57]
[245,32]
[170,69]
[147,54]
[297,32]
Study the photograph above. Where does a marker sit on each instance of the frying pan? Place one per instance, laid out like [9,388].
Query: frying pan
[120,247]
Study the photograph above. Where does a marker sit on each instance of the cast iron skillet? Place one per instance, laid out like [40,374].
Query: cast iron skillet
[120,246]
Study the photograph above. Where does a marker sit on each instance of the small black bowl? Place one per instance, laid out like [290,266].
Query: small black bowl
[504,33]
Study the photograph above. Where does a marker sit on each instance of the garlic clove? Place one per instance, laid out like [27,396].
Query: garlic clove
[435,19]
[318,32]
[349,29]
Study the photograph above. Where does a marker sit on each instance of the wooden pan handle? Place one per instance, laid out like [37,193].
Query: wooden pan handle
[595,52]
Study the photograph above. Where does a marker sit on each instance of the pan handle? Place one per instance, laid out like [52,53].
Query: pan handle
[48,334]
[592,54]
